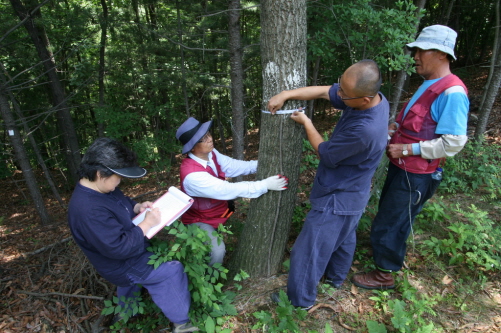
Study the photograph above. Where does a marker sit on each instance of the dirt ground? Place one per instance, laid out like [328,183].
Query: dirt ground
[47,285]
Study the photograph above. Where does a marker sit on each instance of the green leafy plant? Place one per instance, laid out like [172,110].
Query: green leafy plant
[210,303]
[126,308]
[474,242]
[192,247]
[310,158]
[285,320]
[475,167]
[407,313]
[435,210]
[300,212]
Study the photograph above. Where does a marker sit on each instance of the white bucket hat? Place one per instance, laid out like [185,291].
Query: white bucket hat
[436,37]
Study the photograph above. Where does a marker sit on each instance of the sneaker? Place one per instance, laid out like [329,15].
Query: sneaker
[275,297]
[186,327]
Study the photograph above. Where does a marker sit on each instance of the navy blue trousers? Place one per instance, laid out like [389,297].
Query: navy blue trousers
[403,196]
[168,287]
[325,245]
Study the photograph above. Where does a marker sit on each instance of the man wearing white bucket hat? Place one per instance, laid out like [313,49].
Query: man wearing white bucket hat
[203,177]
[430,127]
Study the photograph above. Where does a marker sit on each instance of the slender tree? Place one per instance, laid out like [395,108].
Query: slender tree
[283,54]
[21,156]
[102,62]
[181,58]
[402,74]
[491,90]
[237,79]
[65,123]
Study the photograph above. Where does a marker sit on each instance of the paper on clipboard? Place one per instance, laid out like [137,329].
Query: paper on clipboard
[172,205]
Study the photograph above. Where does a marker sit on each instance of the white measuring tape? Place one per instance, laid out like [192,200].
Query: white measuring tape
[285,111]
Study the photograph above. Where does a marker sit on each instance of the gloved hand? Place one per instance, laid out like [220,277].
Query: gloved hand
[277,183]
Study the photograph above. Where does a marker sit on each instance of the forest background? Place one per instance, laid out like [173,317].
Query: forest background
[72,71]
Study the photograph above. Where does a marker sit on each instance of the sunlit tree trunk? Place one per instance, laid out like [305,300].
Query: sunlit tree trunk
[283,54]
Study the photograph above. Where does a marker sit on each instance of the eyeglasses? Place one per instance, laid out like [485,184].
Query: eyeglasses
[341,92]
[206,138]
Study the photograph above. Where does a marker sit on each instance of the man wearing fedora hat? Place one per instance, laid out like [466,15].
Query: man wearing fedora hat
[203,176]
[430,127]
[100,219]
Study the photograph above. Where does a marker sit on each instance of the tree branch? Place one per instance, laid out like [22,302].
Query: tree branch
[99,298]
[26,254]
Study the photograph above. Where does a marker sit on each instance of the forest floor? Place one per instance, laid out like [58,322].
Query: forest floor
[47,285]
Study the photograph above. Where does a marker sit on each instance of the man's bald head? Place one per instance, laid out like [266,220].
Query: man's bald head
[367,77]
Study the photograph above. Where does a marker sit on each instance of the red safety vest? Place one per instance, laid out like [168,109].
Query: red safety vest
[204,210]
[418,125]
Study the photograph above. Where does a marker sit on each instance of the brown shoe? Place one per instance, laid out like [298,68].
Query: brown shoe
[374,280]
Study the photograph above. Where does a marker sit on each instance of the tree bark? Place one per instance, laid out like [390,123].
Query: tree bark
[495,51]
[447,15]
[32,140]
[102,62]
[22,157]
[181,50]
[237,80]
[283,54]
[65,123]
[402,74]
[491,92]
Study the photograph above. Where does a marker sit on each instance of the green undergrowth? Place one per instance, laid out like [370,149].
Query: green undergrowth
[453,256]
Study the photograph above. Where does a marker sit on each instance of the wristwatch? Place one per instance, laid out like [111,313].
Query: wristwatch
[405,152]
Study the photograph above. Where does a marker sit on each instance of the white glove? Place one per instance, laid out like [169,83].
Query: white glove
[276,183]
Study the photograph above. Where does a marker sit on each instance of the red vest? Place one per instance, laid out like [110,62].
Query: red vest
[204,210]
[418,125]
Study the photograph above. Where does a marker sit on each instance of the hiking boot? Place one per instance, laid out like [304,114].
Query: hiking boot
[183,328]
[374,280]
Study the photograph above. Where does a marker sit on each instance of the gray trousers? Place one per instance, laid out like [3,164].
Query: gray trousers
[218,247]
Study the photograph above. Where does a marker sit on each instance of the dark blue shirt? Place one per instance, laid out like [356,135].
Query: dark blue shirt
[101,225]
[350,157]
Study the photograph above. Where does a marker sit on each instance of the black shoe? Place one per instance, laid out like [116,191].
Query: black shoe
[116,319]
[335,285]
[184,328]
[275,297]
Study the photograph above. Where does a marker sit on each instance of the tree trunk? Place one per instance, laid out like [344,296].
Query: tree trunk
[181,50]
[65,123]
[283,52]
[495,51]
[237,80]
[33,142]
[491,93]
[447,15]
[314,82]
[21,157]
[402,75]
[102,62]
